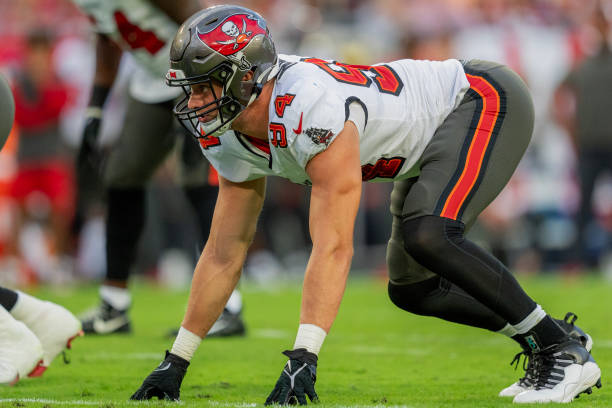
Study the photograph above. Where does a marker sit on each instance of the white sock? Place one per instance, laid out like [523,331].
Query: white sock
[119,298]
[508,330]
[530,321]
[26,306]
[185,344]
[310,337]
[234,303]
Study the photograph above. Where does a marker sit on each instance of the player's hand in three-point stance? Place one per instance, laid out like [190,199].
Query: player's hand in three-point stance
[297,379]
[165,381]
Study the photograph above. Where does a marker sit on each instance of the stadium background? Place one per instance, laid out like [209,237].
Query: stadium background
[530,226]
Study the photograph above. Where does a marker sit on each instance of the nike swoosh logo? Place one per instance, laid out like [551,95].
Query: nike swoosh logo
[299,128]
[163,368]
[101,326]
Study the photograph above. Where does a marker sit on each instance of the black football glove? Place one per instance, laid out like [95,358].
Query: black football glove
[165,381]
[89,156]
[88,169]
[297,379]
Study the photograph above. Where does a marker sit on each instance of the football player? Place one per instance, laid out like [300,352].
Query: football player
[448,133]
[144,29]
[32,332]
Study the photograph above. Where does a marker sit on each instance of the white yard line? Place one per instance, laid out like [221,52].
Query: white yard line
[251,405]
[61,402]
[126,356]
[271,333]
[388,350]
[602,343]
[212,403]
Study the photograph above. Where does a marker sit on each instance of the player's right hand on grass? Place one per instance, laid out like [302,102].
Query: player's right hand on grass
[165,381]
[297,379]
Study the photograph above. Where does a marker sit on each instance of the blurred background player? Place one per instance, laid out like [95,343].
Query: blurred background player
[582,102]
[43,188]
[144,29]
[32,332]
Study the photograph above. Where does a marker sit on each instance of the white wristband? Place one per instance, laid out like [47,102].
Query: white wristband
[186,344]
[310,337]
[93,112]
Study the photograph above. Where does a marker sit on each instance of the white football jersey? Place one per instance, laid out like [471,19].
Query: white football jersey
[143,30]
[396,106]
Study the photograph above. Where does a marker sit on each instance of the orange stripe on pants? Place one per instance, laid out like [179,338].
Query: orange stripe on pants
[478,146]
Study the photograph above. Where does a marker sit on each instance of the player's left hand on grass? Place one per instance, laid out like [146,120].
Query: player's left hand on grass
[297,380]
[165,381]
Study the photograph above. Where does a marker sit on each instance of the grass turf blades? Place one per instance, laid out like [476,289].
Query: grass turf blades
[375,355]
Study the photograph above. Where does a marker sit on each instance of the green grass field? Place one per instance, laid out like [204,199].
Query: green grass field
[376,355]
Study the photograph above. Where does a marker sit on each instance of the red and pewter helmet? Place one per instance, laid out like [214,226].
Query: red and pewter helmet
[221,44]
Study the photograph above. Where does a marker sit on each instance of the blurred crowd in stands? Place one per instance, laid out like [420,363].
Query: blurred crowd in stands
[555,214]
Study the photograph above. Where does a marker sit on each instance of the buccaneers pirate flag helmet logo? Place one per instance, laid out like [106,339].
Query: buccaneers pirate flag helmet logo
[233,34]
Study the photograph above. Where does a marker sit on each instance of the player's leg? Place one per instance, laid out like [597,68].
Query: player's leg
[32,333]
[145,141]
[20,350]
[496,118]
[417,290]
[201,187]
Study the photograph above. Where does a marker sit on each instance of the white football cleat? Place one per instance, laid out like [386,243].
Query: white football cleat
[526,382]
[8,373]
[20,350]
[561,373]
[53,324]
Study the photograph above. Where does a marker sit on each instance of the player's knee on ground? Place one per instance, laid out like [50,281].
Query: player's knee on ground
[429,236]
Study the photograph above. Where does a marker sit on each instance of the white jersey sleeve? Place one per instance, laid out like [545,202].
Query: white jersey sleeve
[321,119]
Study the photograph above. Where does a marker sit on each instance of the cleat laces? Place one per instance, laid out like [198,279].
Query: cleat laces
[550,369]
[528,366]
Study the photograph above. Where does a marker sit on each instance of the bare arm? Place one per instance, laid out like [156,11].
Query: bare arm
[333,207]
[178,10]
[220,265]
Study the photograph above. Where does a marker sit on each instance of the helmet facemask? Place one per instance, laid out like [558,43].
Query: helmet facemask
[227,107]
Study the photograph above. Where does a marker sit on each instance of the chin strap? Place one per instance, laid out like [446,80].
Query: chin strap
[264,77]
